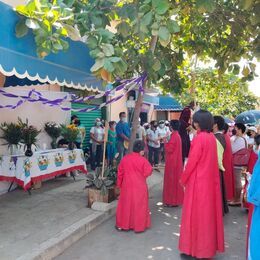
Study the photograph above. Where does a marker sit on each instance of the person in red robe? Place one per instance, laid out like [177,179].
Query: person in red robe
[133,210]
[229,167]
[202,229]
[172,190]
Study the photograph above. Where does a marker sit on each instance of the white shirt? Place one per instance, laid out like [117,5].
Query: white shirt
[140,133]
[164,132]
[153,136]
[98,133]
[238,143]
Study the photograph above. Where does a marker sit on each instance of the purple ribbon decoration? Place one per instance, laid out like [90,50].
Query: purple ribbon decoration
[35,96]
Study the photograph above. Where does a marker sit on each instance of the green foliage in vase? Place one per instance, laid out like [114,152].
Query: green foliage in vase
[53,130]
[11,133]
[70,132]
[29,132]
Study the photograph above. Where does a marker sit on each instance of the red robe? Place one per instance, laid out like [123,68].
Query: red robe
[172,190]
[202,229]
[229,170]
[251,164]
[133,209]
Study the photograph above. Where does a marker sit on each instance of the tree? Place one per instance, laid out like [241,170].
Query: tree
[227,95]
[154,37]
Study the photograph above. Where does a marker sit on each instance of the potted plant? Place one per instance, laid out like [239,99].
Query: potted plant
[70,134]
[29,136]
[102,189]
[99,189]
[54,131]
[12,134]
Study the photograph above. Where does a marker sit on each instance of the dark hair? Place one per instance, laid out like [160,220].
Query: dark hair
[241,127]
[226,127]
[154,122]
[73,117]
[62,142]
[111,123]
[175,125]
[77,121]
[220,122]
[121,114]
[205,120]
[257,140]
[138,146]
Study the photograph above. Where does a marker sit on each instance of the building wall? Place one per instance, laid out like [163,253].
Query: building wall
[115,108]
[37,114]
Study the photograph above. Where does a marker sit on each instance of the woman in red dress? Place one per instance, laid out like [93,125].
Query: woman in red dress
[172,190]
[202,229]
[133,210]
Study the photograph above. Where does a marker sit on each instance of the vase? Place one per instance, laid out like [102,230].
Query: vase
[71,146]
[28,151]
[13,149]
[54,144]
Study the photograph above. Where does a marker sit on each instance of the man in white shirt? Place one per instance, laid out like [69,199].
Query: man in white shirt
[96,144]
[164,132]
[238,142]
[153,138]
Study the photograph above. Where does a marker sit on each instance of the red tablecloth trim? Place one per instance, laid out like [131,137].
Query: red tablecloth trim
[6,178]
[43,177]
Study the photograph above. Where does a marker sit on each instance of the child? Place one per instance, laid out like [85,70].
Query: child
[133,210]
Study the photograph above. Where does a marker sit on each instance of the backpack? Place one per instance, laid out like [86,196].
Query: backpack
[241,157]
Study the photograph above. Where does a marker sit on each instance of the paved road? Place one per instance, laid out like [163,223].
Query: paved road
[160,242]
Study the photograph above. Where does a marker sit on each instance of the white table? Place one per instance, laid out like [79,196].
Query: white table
[41,166]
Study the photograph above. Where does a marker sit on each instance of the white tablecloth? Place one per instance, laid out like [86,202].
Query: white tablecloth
[42,165]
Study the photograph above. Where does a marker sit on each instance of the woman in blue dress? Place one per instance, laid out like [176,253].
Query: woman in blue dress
[254,198]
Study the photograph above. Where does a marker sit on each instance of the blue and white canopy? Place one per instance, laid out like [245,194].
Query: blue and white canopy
[18,58]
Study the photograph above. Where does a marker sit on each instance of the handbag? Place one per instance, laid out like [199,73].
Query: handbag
[241,157]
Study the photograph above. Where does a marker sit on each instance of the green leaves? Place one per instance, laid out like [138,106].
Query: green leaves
[21,29]
[205,6]
[161,6]
[98,65]
[156,65]
[124,29]
[32,24]
[246,4]
[173,26]
[92,42]
[108,49]
[147,18]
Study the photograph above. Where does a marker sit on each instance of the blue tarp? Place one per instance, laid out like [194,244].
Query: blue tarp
[18,57]
[168,103]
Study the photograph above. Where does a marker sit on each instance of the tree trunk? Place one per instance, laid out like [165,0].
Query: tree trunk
[138,107]
[139,102]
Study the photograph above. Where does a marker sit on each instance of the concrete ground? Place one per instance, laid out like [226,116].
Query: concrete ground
[43,225]
[160,242]
[27,221]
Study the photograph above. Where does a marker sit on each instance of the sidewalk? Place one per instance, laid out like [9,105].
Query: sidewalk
[43,225]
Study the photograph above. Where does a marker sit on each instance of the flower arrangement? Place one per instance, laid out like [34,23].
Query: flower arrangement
[70,133]
[29,135]
[12,134]
[54,131]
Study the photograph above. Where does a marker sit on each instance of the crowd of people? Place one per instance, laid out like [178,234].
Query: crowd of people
[208,167]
